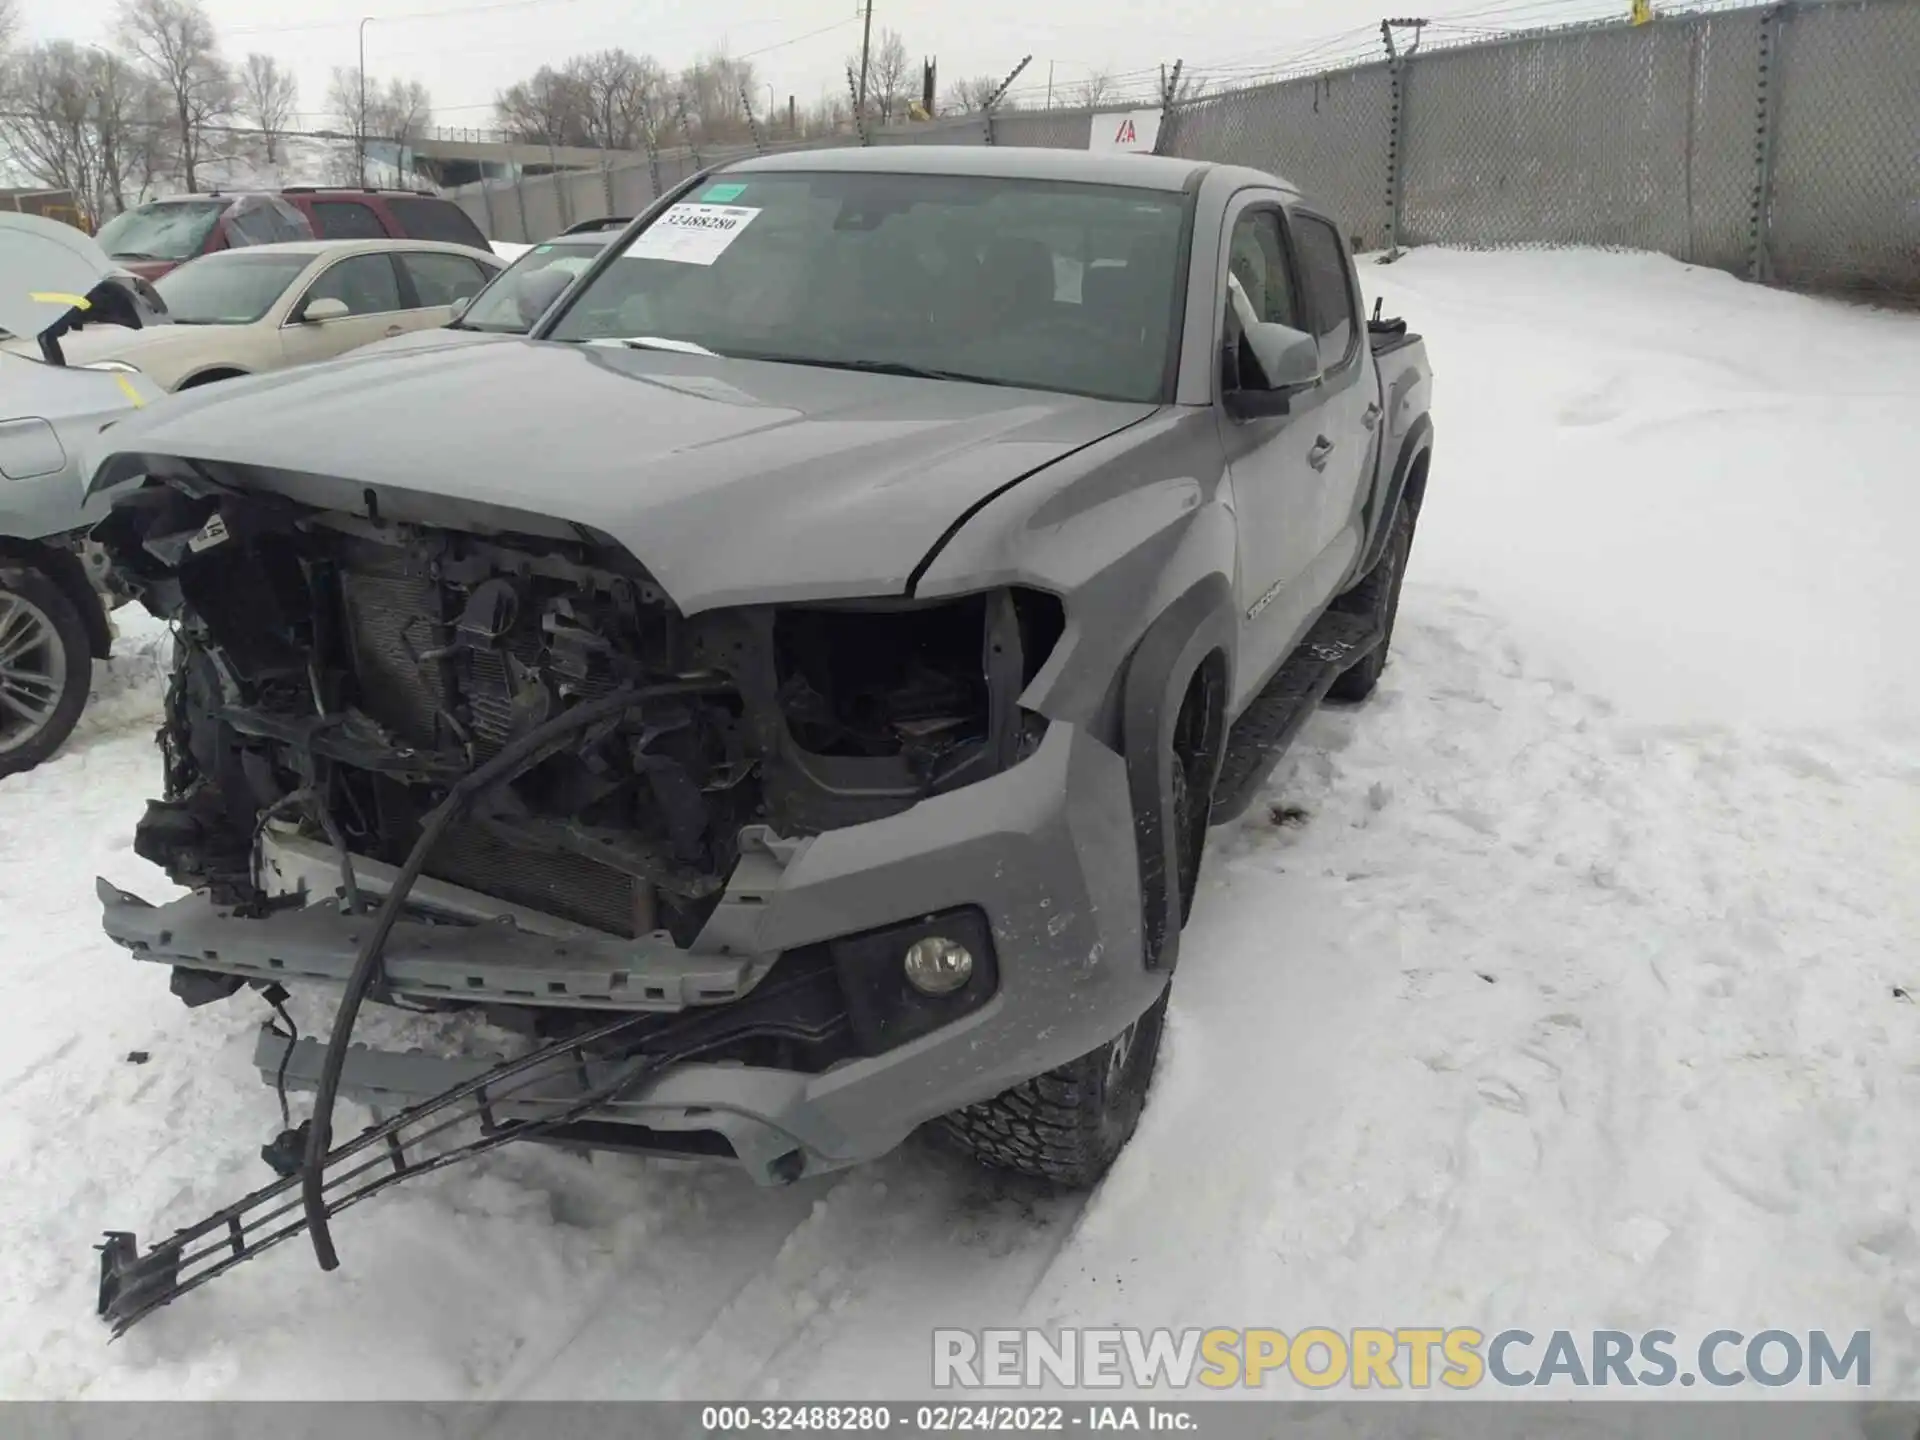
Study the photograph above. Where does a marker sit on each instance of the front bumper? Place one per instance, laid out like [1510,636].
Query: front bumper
[1046,851]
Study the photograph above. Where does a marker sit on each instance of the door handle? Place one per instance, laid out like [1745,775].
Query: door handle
[1317,456]
[1371,416]
[393,330]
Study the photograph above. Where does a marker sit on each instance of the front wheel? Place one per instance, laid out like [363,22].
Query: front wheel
[1069,1125]
[46,667]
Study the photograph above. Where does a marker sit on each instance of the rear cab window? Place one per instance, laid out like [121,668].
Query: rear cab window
[346,220]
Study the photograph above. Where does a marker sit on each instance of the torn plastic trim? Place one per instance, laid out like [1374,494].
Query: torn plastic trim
[495,963]
[762,1112]
[133,1285]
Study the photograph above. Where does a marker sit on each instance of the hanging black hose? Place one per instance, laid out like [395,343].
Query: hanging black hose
[519,755]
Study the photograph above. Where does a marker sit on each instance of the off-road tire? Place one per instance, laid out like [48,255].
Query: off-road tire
[1069,1125]
[1378,598]
[23,581]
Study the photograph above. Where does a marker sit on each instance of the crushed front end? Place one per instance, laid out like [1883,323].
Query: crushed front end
[723,876]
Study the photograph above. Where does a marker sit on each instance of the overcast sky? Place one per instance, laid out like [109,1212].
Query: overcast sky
[465,53]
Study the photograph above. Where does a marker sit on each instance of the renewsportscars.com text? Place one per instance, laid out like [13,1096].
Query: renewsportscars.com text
[1410,1358]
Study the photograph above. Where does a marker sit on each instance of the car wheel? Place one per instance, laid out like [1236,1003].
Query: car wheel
[46,667]
[1069,1125]
[1378,597]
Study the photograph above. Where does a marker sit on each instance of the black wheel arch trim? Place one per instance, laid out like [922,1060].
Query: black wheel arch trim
[64,569]
[1419,442]
[1158,676]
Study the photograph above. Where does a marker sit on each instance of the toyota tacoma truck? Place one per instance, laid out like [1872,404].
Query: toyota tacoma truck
[785,695]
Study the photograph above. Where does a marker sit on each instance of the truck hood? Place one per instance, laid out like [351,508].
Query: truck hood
[730,481]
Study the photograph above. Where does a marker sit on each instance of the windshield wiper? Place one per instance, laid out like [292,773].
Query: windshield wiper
[137,255]
[881,367]
[657,342]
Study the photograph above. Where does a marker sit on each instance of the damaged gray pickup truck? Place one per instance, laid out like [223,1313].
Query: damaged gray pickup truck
[789,691]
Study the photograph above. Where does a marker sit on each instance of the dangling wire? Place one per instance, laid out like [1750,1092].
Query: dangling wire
[276,996]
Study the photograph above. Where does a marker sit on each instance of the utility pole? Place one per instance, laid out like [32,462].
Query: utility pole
[866,47]
[360,122]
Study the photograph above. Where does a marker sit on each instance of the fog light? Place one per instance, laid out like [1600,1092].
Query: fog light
[938,966]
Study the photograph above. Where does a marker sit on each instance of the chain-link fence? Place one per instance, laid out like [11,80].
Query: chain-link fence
[1779,142]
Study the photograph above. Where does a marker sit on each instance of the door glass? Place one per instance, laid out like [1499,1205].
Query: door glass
[1257,259]
[442,279]
[367,283]
[1323,267]
[430,218]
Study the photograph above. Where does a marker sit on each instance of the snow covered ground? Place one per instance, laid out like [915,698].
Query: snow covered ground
[1566,983]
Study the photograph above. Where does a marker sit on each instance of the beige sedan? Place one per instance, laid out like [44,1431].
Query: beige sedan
[265,307]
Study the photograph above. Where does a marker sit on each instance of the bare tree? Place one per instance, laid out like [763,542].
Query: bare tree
[887,67]
[711,90]
[9,23]
[1094,91]
[83,121]
[268,94]
[396,111]
[969,97]
[547,108]
[620,91]
[175,41]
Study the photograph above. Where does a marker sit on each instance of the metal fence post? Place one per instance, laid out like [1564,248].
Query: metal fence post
[1168,90]
[562,188]
[1398,66]
[859,111]
[653,149]
[606,181]
[486,201]
[1767,109]
[520,194]
[986,111]
[753,125]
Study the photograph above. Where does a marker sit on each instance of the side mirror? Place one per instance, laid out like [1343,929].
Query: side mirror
[1286,362]
[324,308]
[537,294]
[460,308]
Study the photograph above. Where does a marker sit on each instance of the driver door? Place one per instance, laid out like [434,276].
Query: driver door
[1277,462]
[369,286]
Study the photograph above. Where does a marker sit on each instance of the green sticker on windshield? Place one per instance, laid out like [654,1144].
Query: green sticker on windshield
[541,249]
[720,194]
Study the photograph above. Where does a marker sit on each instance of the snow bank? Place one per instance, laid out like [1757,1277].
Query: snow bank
[1556,985]
[1686,487]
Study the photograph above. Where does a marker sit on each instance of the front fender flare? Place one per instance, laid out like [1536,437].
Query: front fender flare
[1201,622]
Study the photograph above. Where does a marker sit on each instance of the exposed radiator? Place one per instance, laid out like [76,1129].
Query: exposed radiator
[561,885]
[392,615]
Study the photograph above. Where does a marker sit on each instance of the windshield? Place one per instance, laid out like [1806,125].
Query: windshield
[236,287]
[1052,285]
[174,230]
[522,292]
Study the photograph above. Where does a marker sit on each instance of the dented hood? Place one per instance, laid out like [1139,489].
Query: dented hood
[729,480]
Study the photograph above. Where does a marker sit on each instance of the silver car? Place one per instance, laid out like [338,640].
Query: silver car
[53,623]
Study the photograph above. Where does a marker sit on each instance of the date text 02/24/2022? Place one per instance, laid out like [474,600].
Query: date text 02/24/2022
[946,1419]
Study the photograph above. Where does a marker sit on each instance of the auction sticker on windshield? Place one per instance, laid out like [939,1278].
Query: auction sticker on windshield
[692,234]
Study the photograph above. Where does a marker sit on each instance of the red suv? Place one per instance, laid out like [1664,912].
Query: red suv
[154,238]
